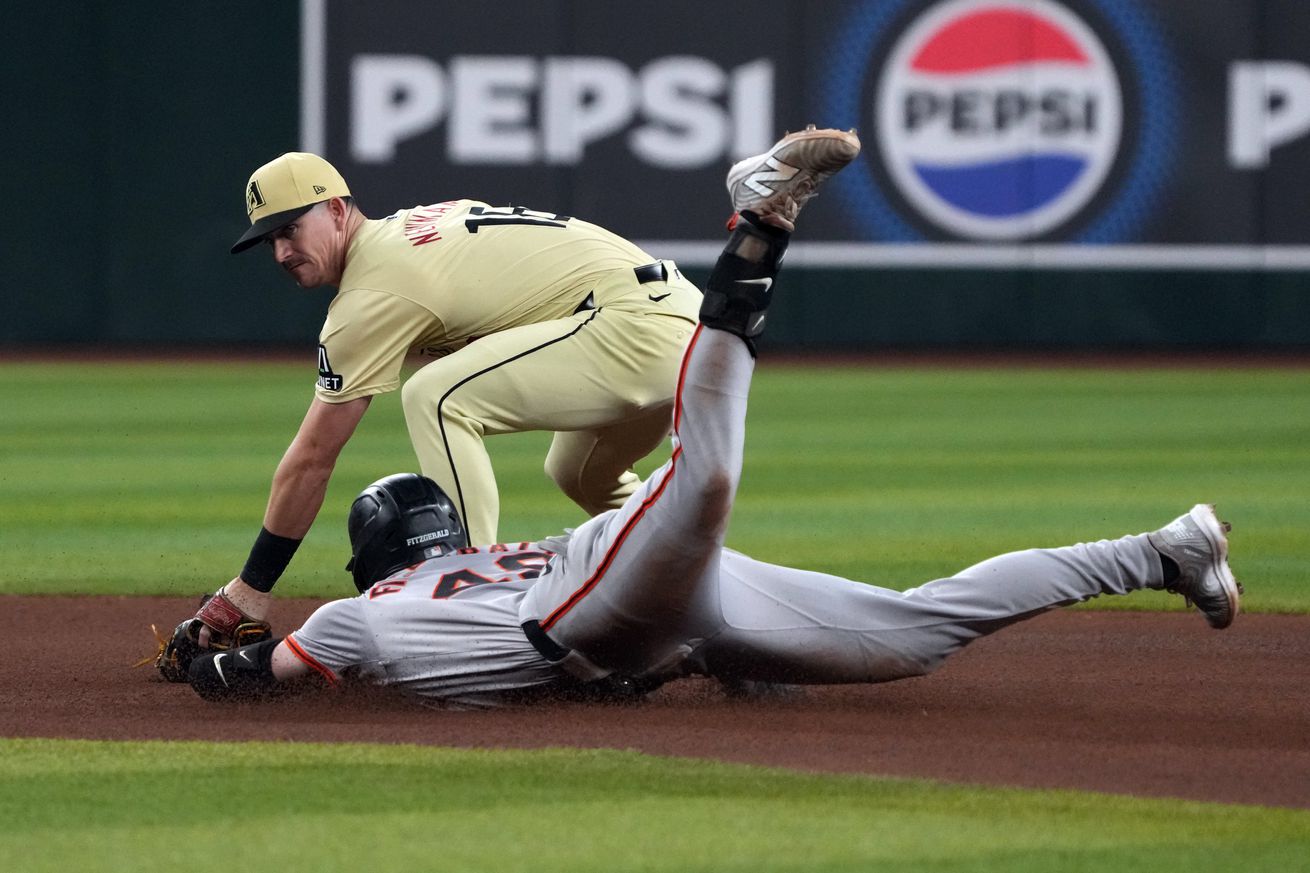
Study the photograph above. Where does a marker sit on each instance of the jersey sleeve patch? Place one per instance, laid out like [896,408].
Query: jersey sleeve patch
[328,380]
[364,341]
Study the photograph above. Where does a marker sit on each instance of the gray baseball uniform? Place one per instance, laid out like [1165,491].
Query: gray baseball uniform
[649,590]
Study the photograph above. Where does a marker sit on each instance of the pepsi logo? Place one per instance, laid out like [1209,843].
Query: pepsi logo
[997,119]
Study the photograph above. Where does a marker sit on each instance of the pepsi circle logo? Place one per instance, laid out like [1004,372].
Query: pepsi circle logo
[1002,120]
[998,120]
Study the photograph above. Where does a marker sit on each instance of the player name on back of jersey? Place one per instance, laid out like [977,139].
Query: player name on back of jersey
[421,223]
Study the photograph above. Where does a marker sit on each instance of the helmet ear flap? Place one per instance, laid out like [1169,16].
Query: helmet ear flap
[367,519]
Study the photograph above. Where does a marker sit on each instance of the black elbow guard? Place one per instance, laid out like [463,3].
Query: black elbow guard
[243,673]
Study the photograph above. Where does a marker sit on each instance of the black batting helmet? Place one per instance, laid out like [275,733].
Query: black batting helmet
[398,521]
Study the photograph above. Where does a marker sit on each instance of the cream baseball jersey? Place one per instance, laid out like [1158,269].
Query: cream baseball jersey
[434,278]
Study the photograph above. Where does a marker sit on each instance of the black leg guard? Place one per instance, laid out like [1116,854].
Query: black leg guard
[243,673]
[741,285]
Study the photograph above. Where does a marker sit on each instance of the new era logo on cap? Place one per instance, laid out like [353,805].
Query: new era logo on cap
[319,189]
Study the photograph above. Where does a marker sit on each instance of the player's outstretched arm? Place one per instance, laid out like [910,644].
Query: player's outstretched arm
[299,486]
[246,673]
[301,479]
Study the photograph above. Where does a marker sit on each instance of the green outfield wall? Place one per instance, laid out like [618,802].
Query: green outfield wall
[132,128]
[869,310]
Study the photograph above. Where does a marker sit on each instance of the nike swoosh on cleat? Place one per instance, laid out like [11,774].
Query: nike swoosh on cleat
[245,656]
[656,298]
[218,668]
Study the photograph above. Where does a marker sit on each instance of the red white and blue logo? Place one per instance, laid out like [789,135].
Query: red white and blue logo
[998,120]
[1003,120]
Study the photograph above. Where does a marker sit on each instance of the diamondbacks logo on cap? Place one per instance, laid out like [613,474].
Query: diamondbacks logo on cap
[254,197]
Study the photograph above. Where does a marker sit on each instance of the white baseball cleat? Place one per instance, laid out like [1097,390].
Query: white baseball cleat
[1198,544]
[776,184]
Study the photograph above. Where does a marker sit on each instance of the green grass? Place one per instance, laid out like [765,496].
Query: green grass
[135,478]
[91,806]
[152,478]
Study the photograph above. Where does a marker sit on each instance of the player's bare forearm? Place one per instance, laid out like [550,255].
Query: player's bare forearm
[285,665]
[299,486]
[302,476]
[298,489]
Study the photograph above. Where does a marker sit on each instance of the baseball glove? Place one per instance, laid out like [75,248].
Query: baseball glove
[229,628]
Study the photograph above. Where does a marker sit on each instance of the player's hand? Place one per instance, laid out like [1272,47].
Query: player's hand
[232,604]
[177,653]
[218,625]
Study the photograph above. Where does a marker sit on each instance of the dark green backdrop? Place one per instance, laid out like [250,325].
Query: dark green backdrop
[132,128]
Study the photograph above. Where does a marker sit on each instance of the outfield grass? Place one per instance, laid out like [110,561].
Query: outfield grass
[152,478]
[90,806]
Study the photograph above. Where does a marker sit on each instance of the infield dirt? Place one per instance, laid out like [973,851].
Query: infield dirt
[1132,703]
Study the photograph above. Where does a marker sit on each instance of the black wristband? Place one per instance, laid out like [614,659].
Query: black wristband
[268,559]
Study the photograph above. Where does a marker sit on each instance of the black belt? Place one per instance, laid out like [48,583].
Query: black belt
[589,303]
[655,272]
[645,274]
[545,646]
[614,688]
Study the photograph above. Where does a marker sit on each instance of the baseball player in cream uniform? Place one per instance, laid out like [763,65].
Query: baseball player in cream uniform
[536,321]
[647,592]
[529,320]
